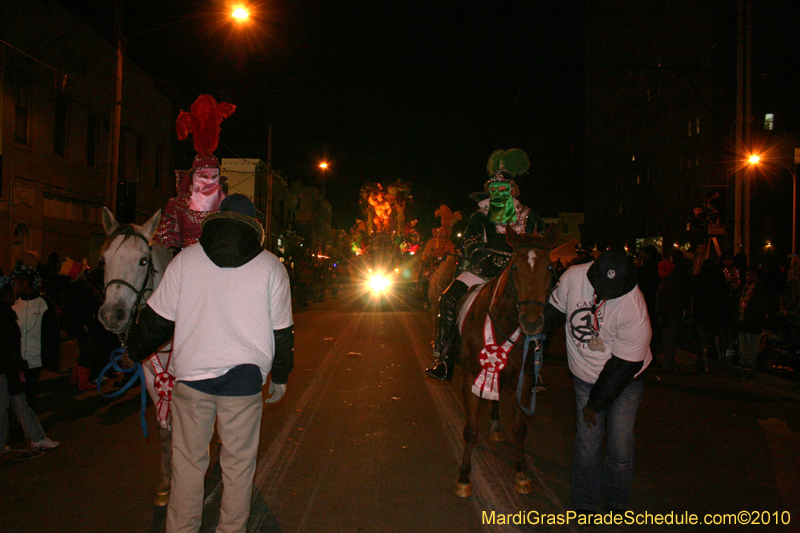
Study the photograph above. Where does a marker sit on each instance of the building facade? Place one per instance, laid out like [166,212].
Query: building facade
[56,85]
[270,194]
[670,120]
[313,222]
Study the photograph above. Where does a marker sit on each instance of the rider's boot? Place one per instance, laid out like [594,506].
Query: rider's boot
[445,365]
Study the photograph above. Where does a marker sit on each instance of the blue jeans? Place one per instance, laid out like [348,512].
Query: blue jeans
[610,474]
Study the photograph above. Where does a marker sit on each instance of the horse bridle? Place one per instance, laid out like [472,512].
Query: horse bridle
[519,303]
[151,271]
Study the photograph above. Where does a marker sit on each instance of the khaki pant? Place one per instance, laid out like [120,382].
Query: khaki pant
[238,423]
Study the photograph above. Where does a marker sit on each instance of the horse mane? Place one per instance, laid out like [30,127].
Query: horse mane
[546,240]
[126,230]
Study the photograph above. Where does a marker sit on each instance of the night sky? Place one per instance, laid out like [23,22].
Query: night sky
[383,90]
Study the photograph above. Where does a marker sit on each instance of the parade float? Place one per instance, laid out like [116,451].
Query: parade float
[385,244]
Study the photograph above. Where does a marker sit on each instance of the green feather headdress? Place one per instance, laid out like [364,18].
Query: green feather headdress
[514,162]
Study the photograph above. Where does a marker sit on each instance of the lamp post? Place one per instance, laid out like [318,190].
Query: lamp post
[239,14]
[756,159]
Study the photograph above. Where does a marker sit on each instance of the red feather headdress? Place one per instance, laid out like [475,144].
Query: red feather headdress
[203,122]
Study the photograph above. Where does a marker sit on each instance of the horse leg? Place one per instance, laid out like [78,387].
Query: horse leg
[165,440]
[522,483]
[472,404]
[496,430]
[162,492]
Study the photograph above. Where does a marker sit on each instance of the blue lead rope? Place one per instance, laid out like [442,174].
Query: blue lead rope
[116,355]
[537,365]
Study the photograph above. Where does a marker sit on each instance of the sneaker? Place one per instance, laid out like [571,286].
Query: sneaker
[45,444]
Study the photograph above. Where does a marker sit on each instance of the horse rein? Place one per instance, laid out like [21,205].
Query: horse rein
[148,277]
[517,303]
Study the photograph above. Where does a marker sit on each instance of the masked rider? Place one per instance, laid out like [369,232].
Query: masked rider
[199,190]
[485,247]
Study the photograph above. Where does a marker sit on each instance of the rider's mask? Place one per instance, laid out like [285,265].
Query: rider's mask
[501,203]
[205,190]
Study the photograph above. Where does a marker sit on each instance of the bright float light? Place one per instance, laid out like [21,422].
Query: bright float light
[379,283]
[323,165]
[754,159]
[240,13]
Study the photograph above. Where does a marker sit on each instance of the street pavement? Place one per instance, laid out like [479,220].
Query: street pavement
[363,441]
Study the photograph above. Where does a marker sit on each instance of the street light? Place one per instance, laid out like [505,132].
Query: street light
[239,13]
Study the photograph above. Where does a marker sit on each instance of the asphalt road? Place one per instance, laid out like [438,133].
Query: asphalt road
[362,441]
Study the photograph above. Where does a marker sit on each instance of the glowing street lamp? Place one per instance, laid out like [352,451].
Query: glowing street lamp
[323,165]
[240,13]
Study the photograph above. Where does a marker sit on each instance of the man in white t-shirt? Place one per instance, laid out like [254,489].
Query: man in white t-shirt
[228,303]
[608,346]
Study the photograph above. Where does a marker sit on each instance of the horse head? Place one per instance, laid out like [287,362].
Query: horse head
[529,276]
[129,269]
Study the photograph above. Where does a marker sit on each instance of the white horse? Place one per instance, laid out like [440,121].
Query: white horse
[133,269]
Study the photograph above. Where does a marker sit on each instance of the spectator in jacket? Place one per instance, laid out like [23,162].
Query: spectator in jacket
[711,304]
[95,343]
[608,347]
[649,279]
[11,390]
[674,297]
[752,308]
[228,303]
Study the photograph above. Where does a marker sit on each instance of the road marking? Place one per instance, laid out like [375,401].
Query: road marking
[274,464]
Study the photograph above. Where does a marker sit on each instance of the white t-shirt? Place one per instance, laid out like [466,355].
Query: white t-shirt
[29,319]
[624,325]
[223,317]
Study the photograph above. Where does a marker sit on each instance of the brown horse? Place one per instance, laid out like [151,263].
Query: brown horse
[514,300]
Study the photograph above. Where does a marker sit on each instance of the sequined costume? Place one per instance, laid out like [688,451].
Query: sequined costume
[181,226]
[485,241]
[199,190]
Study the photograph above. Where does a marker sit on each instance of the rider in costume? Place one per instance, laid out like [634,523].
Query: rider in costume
[199,191]
[485,246]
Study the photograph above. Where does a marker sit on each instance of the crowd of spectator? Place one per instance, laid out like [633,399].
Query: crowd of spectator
[725,311]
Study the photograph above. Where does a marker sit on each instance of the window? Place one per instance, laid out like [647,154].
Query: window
[139,158]
[769,121]
[22,96]
[21,125]
[121,162]
[60,127]
[91,140]
[697,125]
[158,166]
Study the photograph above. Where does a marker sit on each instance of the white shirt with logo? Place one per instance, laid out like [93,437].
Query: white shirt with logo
[29,318]
[622,324]
[223,317]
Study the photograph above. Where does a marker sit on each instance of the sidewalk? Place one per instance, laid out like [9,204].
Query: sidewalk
[775,383]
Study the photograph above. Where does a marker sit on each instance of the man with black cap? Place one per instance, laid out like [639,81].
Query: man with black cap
[228,302]
[608,346]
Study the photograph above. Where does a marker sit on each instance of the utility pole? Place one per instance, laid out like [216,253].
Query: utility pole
[116,120]
[741,228]
[268,210]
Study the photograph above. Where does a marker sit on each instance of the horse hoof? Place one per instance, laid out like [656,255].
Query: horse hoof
[162,498]
[463,490]
[496,436]
[522,484]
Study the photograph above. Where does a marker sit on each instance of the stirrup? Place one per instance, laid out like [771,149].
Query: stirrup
[441,371]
